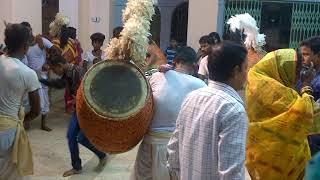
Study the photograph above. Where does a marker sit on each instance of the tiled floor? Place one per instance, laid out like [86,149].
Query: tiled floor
[51,154]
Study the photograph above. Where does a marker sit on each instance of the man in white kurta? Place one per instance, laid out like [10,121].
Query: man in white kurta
[36,60]
[169,90]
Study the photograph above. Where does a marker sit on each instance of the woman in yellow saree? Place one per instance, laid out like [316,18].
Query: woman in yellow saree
[280,119]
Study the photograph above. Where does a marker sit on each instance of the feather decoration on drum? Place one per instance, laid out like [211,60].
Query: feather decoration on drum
[114,101]
[133,42]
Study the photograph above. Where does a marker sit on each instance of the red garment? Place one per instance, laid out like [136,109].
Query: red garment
[68,101]
[70,51]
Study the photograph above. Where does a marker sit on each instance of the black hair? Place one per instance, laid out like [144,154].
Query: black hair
[206,39]
[99,37]
[56,60]
[237,37]
[150,40]
[26,24]
[117,31]
[215,37]
[16,36]
[64,36]
[173,39]
[186,55]
[72,32]
[223,58]
[313,43]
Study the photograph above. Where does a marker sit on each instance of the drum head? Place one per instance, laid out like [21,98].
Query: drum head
[115,89]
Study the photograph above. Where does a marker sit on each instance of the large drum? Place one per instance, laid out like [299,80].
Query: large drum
[114,105]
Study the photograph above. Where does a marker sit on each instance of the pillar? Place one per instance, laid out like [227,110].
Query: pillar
[203,19]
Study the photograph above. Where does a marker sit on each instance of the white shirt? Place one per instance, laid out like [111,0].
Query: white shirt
[210,136]
[203,67]
[16,79]
[36,56]
[25,60]
[89,57]
[169,91]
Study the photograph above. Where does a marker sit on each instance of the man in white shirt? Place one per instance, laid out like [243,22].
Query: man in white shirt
[16,79]
[96,55]
[210,136]
[36,58]
[206,43]
[203,71]
[169,91]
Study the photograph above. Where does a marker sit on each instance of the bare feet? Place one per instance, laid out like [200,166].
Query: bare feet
[102,164]
[45,128]
[44,124]
[71,172]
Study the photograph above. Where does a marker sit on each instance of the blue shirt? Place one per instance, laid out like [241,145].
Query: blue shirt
[315,84]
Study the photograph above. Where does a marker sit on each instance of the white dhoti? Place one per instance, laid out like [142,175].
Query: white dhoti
[8,170]
[151,161]
[44,99]
[43,94]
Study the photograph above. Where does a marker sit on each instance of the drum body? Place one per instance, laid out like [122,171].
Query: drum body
[114,106]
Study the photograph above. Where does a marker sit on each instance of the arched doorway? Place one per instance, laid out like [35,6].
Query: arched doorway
[179,23]
[49,10]
[155,27]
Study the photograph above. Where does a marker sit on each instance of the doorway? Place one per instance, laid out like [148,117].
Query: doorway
[179,24]
[49,10]
[276,24]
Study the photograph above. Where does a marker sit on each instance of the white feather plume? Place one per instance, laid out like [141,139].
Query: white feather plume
[134,36]
[247,24]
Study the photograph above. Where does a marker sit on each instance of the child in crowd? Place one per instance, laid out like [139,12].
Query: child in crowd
[96,55]
[171,51]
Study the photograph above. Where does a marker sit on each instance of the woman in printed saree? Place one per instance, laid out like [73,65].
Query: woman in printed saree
[280,118]
[67,46]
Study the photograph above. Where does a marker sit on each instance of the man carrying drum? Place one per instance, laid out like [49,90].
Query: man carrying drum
[169,91]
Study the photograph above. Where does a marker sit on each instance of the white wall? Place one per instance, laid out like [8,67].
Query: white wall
[16,11]
[203,19]
[70,8]
[5,15]
[90,9]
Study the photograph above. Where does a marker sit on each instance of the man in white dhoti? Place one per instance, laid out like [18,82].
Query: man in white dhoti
[16,79]
[169,90]
[36,60]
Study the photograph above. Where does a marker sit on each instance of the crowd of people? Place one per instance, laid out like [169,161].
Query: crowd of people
[229,108]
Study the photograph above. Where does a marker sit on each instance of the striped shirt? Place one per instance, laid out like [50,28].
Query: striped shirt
[171,53]
[210,136]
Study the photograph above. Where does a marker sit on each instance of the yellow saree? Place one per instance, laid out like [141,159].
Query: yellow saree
[280,119]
